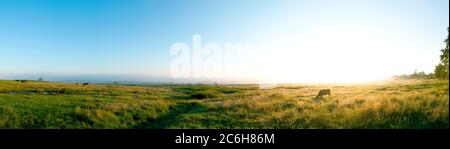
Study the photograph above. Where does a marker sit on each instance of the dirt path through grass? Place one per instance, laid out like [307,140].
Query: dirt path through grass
[172,117]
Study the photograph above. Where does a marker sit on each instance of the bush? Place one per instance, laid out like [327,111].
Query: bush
[203,95]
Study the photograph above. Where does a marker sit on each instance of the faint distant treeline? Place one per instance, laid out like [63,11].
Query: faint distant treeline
[416,75]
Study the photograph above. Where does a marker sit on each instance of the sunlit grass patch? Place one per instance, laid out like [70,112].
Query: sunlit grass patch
[395,104]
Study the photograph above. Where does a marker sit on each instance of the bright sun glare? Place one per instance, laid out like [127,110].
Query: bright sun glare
[333,55]
[346,55]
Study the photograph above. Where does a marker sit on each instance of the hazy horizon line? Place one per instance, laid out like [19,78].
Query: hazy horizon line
[144,79]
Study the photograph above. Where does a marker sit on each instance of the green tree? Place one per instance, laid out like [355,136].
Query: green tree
[441,70]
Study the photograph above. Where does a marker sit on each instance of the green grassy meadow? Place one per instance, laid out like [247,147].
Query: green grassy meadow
[391,104]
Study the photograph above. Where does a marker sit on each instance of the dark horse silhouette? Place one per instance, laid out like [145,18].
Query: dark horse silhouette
[322,93]
[85,84]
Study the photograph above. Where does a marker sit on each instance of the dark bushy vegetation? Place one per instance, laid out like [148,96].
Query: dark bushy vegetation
[441,70]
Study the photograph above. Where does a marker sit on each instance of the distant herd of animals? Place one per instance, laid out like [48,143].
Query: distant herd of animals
[21,81]
[319,96]
[83,84]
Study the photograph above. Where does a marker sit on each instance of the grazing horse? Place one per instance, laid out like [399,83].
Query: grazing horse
[322,93]
[85,84]
[23,81]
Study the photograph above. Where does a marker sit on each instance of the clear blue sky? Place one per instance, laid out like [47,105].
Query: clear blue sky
[134,36]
